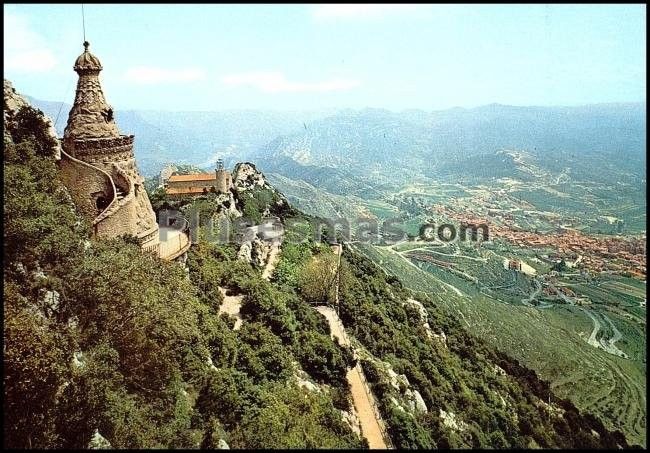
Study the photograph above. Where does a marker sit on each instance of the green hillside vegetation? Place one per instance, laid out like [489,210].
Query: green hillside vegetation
[597,382]
[101,337]
[459,377]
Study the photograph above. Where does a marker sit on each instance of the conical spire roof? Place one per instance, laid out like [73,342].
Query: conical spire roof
[91,116]
[87,61]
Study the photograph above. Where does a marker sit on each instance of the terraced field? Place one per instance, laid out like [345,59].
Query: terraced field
[609,386]
[590,346]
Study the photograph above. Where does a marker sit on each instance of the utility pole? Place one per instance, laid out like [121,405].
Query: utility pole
[338,280]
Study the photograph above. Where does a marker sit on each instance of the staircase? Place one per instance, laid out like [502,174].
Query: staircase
[119,194]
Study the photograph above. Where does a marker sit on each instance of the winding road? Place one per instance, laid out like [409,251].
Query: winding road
[533,295]
[608,345]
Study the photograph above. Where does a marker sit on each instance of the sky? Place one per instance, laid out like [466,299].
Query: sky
[311,57]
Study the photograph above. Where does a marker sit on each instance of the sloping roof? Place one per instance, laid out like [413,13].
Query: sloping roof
[193,177]
[185,190]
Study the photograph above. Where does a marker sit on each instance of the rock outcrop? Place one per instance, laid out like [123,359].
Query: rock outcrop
[246,177]
[450,420]
[255,251]
[99,442]
[13,102]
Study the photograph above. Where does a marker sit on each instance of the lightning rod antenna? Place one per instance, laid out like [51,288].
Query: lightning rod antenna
[83,21]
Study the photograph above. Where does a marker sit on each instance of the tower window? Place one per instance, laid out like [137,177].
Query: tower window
[108,114]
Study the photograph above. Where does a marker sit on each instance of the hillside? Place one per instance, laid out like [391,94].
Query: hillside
[106,345]
[588,177]
[376,139]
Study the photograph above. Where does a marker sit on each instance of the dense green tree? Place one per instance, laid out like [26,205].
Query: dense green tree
[36,366]
[101,336]
[291,417]
[322,358]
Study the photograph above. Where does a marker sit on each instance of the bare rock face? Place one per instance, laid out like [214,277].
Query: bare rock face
[228,203]
[13,102]
[415,401]
[247,176]
[254,251]
[408,399]
[245,252]
[304,380]
[259,252]
[99,442]
[450,421]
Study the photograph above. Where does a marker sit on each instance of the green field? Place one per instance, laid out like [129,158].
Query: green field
[611,387]
[549,335]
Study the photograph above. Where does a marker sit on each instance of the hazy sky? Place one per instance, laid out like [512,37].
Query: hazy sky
[211,57]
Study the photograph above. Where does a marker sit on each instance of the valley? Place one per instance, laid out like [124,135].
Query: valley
[325,226]
[573,226]
[559,285]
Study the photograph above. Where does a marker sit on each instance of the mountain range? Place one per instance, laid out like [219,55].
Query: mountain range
[376,141]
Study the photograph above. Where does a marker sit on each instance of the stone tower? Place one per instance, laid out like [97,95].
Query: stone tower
[98,166]
[223,180]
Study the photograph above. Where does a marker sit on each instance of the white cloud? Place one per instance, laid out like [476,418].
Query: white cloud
[153,75]
[276,82]
[359,11]
[24,49]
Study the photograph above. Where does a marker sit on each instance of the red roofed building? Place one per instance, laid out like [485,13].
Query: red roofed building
[178,186]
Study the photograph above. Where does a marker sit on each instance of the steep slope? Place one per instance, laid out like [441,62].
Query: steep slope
[104,344]
[437,385]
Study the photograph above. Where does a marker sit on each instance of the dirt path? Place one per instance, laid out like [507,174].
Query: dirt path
[533,295]
[361,396]
[274,256]
[231,306]
[610,344]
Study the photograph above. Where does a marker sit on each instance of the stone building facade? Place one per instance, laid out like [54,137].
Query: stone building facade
[98,165]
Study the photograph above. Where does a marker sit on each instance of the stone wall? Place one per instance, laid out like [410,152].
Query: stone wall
[86,184]
[108,163]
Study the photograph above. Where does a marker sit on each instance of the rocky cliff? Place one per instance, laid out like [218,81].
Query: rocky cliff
[13,103]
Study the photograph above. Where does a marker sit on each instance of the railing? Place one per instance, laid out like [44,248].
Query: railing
[364,382]
[172,249]
[375,408]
